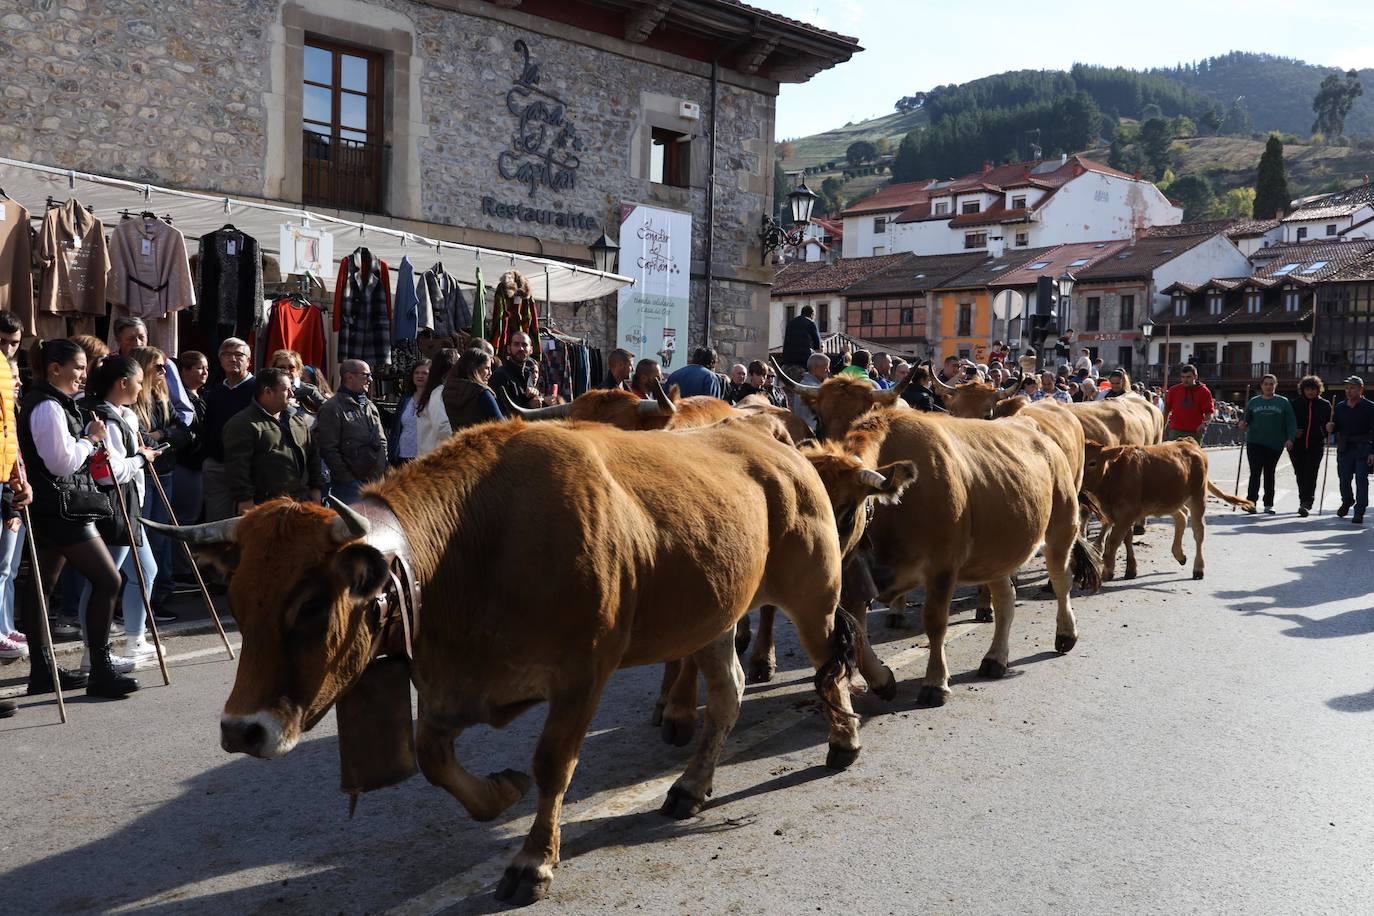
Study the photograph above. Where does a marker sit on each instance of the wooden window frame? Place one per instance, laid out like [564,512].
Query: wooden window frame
[374,95]
[677,157]
[1127,312]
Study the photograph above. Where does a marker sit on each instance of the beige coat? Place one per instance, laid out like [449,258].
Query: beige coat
[16,262]
[150,277]
[71,250]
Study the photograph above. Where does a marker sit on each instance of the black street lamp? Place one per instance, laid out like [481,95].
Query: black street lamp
[605,253]
[1147,329]
[800,203]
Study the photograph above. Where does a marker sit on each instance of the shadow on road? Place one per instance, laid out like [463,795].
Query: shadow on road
[1355,702]
[1340,569]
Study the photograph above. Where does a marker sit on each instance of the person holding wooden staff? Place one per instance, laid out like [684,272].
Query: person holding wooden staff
[57,444]
[1311,413]
[1270,428]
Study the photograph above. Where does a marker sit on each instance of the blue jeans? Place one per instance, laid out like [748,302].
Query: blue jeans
[135,614]
[154,510]
[1354,463]
[11,552]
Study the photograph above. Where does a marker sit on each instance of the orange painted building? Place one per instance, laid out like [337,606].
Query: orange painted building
[960,315]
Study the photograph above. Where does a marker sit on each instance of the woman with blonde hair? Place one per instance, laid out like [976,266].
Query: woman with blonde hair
[308,396]
[160,426]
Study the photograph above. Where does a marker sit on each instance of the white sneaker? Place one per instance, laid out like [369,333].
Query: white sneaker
[11,650]
[119,664]
[140,650]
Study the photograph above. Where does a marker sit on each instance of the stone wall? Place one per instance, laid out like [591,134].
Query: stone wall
[190,94]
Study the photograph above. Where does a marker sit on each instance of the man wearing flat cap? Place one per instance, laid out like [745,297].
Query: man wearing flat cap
[1353,424]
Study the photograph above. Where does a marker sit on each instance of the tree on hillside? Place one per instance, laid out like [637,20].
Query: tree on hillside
[1150,111]
[1182,126]
[1194,193]
[1154,147]
[1237,122]
[783,150]
[883,145]
[830,201]
[1333,102]
[859,152]
[1271,182]
[1211,119]
[1238,202]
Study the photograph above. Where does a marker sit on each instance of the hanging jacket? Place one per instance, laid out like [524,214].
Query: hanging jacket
[443,306]
[229,299]
[405,322]
[362,309]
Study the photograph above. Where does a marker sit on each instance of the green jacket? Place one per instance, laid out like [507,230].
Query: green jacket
[351,438]
[1271,420]
[262,462]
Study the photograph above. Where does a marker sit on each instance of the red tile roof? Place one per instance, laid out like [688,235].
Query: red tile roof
[1234,226]
[915,274]
[1342,203]
[1141,258]
[893,197]
[1059,260]
[806,277]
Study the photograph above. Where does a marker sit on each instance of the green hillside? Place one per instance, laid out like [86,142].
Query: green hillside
[830,146]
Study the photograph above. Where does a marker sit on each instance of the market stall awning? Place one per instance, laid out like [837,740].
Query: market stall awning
[196,213]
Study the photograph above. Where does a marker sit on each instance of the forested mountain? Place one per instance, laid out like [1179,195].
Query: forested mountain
[1277,91]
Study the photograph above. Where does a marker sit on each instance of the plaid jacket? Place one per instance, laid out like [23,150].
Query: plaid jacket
[362,309]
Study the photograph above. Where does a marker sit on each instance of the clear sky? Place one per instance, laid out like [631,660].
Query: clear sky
[914,45]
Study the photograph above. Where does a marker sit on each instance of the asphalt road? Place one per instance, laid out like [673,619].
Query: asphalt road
[1204,749]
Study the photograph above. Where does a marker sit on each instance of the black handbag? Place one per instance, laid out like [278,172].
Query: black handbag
[84,505]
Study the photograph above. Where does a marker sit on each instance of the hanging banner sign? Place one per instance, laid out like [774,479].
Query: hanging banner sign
[306,249]
[656,250]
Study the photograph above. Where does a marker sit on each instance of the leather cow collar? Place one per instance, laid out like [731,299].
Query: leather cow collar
[394,617]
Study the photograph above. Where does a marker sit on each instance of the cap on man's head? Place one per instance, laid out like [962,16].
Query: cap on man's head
[1354,380]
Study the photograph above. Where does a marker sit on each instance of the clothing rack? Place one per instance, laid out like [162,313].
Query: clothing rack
[146,214]
[54,203]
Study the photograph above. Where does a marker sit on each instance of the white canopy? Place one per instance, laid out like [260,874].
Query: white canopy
[198,213]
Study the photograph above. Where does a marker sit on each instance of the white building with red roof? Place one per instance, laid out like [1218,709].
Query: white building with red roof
[1027,205]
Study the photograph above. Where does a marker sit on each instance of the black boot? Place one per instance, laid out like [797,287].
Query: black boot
[40,675]
[105,681]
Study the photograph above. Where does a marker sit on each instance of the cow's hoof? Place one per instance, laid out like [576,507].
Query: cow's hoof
[1181,560]
[888,691]
[983,615]
[761,671]
[1130,574]
[1108,575]
[657,719]
[679,805]
[1197,574]
[895,620]
[522,885]
[678,732]
[1137,529]
[839,758]
[992,668]
[1063,643]
[930,697]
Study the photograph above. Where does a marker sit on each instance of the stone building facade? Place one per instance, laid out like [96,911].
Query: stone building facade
[209,96]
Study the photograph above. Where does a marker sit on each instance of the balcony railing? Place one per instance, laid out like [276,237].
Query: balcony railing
[344,174]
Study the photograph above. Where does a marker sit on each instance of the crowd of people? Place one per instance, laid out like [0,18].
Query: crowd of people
[108,438]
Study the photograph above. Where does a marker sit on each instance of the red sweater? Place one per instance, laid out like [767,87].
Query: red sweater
[1185,406]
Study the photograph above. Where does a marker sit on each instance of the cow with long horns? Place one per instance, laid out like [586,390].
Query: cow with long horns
[629,575]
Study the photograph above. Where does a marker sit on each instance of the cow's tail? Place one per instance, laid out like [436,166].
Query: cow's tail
[844,657]
[1086,565]
[1222,495]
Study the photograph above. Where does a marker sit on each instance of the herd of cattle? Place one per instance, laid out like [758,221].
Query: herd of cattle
[649,530]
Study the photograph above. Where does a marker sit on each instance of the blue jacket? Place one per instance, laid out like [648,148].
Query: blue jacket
[405,307]
[694,380]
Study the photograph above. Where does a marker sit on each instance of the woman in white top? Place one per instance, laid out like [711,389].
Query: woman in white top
[431,419]
[57,441]
[115,387]
[403,440]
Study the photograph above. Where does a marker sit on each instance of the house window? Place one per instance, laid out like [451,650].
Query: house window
[942,208]
[789,312]
[343,158]
[965,319]
[1331,229]
[970,207]
[1127,313]
[866,317]
[1291,299]
[823,318]
[879,249]
[1205,354]
[1214,303]
[1094,316]
[975,240]
[670,158]
[1252,302]
[1018,202]
[879,225]
[908,316]
[1302,233]
[1180,305]
[1022,239]
[1123,357]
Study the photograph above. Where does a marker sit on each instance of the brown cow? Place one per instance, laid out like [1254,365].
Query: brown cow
[972,400]
[625,410]
[1128,483]
[986,495]
[842,399]
[629,572]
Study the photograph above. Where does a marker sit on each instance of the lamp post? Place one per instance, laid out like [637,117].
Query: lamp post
[800,202]
[605,253]
[1147,330]
[1063,314]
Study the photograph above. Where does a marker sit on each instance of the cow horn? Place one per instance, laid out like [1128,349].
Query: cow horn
[1011,383]
[350,525]
[554,412]
[790,383]
[663,404]
[891,395]
[935,377]
[220,532]
[873,479]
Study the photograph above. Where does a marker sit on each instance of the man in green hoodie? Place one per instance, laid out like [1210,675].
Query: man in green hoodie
[1269,426]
